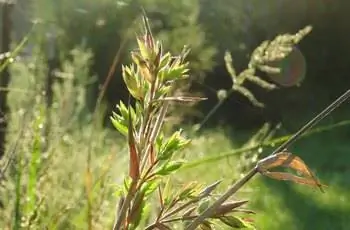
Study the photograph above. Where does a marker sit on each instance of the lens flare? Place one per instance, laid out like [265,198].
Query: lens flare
[293,69]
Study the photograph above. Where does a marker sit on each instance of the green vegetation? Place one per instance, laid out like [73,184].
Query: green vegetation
[63,169]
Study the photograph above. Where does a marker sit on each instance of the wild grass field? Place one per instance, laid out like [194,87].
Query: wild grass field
[64,169]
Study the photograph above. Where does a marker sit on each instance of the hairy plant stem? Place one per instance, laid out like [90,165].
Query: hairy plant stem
[240,183]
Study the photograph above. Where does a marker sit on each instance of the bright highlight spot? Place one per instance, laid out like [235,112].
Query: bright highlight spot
[293,69]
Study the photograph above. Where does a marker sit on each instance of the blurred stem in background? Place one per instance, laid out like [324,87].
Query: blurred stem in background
[6,8]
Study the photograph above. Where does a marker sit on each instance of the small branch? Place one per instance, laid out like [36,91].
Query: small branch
[314,121]
[209,211]
[180,208]
[213,110]
[154,225]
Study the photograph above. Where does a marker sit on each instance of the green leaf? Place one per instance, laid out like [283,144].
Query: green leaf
[149,187]
[169,168]
[127,184]
[123,129]
[145,52]
[165,60]
[131,81]
[234,222]
[206,225]
[203,205]
[123,117]
[188,191]
[173,144]
[123,110]
[176,72]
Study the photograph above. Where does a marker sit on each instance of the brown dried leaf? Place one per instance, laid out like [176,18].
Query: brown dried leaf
[286,159]
[294,162]
[290,177]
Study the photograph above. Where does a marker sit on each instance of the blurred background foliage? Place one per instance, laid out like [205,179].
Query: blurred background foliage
[209,28]
[78,41]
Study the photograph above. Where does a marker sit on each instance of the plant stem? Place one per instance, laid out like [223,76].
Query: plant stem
[314,121]
[185,205]
[235,187]
[125,206]
[273,142]
[153,226]
[213,110]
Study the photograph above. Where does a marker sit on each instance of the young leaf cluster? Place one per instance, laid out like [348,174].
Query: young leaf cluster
[152,80]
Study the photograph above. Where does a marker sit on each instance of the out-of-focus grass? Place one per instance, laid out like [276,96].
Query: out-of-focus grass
[279,205]
[284,205]
[60,188]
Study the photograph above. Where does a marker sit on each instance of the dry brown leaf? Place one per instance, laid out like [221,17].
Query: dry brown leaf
[286,159]
[290,177]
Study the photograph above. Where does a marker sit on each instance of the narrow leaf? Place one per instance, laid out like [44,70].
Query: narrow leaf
[229,207]
[119,126]
[209,189]
[169,167]
[233,222]
[206,225]
[188,212]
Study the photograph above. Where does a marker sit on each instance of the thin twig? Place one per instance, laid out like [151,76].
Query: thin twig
[273,142]
[213,110]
